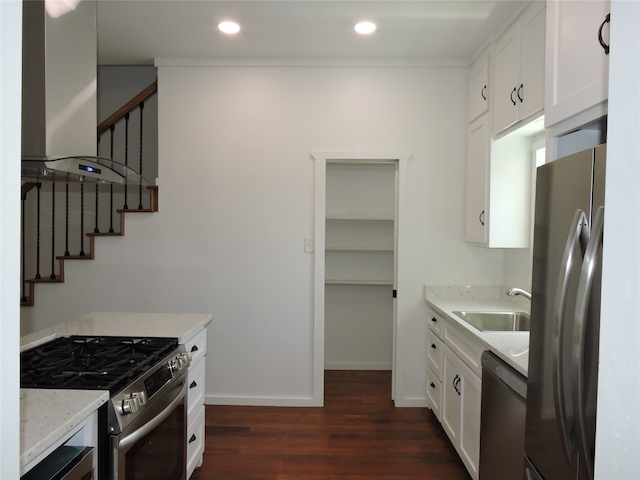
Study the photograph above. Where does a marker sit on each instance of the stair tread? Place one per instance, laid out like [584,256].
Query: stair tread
[105,234]
[58,279]
[86,256]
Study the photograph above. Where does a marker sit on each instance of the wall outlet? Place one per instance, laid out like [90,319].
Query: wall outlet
[308,245]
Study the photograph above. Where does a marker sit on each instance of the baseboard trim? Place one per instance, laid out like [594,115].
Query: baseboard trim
[357,366]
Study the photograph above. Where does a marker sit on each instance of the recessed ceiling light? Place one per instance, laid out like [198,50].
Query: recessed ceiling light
[229,27]
[365,28]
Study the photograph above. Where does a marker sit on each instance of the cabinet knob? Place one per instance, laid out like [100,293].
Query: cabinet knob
[607,19]
[194,348]
[193,384]
[434,319]
[520,92]
[433,345]
[433,385]
[513,100]
[193,438]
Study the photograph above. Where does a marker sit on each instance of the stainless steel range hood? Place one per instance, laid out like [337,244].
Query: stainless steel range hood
[59,96]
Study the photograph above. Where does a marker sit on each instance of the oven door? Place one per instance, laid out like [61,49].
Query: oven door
[153,447]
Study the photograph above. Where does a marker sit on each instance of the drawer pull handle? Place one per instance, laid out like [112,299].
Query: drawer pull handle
[193,438]
[193,384]
[194,348]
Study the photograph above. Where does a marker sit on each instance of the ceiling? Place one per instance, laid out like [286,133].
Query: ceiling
[134,32]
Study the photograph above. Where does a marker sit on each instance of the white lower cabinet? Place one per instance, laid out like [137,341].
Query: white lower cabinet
[460,410]
[197,347]
[454,387]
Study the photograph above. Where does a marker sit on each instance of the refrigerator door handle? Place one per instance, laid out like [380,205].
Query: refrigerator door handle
[578,236]
[582,306]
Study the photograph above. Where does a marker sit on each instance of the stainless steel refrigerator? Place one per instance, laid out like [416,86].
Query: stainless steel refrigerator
[565,318]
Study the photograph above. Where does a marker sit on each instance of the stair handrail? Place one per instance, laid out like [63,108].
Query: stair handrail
[128,107]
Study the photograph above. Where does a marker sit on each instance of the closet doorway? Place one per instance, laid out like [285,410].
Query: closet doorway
[359,198]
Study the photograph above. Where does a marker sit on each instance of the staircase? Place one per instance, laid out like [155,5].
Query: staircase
[61,219]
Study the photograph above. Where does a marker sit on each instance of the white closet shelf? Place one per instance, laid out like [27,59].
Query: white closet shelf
[359,218]
[334,281]
[358,249]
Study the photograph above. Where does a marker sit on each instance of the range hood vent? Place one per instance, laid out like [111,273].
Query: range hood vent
[59,97]
[78,169]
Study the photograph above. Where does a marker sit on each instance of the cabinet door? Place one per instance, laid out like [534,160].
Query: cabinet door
[478,95]
[531,89]
[478,144]
[576,64]
[506,79]
[470,398]
[450,409]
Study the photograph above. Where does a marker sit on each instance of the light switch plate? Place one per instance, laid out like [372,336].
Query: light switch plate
[308,245]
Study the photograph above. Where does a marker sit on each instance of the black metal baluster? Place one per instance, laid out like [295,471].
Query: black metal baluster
[112,128]
[96,229]
[23,299]
[140,171]
[53,231]
[66,220]
[38,276]
[82,220]
[126,157]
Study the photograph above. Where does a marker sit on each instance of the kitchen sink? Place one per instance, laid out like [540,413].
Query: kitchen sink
[497,321]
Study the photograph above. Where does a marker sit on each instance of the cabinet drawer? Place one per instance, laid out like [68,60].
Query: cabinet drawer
[195,393]
[195,441]
[436,322]
[466,348]
[434,392]
[434,354]
[197,345]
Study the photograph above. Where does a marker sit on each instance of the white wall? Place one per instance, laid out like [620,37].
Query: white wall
[618,417]
[10,84]
[236,200]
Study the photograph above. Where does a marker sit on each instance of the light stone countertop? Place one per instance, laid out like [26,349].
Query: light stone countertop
[48,416]
[175,325]
[512,347]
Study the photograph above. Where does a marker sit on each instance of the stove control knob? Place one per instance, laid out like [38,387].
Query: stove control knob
[186,358]
[129,405]
[141,397]
[176,364]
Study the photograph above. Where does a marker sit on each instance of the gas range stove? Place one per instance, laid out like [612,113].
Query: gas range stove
[142,428]
[135,370]
[91,362]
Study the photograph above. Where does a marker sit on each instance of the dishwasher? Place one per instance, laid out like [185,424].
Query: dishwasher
[502,420]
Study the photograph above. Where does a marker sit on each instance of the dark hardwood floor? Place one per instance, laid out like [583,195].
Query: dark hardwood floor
[358,434]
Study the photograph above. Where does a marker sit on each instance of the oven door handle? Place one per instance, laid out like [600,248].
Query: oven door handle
[126,442]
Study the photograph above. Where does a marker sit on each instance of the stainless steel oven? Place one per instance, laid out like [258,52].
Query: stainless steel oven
[142,428]
[153,446]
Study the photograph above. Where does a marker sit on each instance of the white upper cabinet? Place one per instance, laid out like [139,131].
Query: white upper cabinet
[478,146]
[478,99]
[577,61]
[518,78]
[498,187]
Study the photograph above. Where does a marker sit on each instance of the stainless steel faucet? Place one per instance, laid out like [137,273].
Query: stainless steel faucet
[518,291]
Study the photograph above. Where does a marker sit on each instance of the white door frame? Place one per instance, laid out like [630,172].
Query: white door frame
[321,159]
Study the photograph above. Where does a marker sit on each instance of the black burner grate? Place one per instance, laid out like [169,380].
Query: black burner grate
[91,362]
